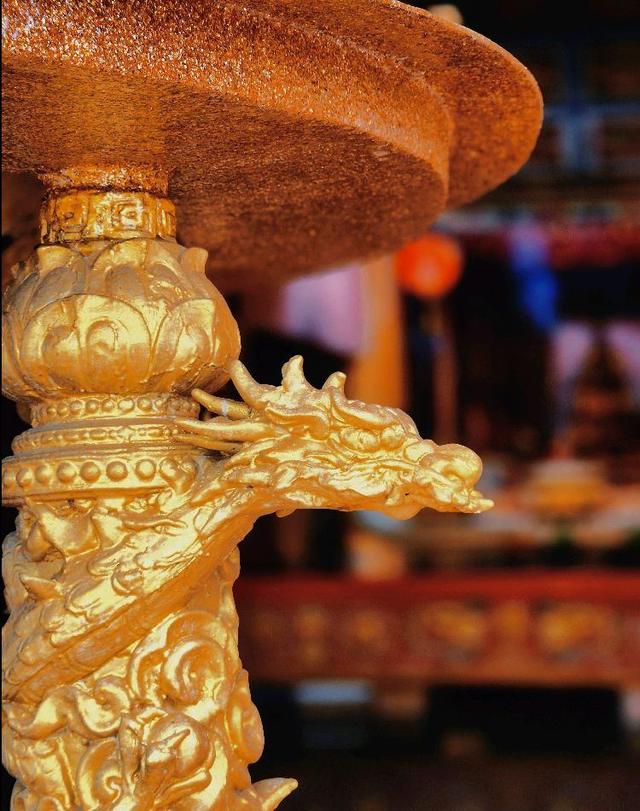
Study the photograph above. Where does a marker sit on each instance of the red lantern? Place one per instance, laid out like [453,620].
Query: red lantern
[430,267]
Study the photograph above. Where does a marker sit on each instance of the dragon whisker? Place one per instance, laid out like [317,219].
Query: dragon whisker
[219,405]
[209,444]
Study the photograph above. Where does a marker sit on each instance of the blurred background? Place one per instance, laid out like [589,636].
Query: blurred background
[470,663]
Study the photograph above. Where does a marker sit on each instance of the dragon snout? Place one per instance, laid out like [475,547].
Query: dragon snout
[447,478]
[460,462]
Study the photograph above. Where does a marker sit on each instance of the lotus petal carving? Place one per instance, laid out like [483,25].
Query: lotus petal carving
[128,317]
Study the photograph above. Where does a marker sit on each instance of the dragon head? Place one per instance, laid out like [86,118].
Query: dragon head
[316,448]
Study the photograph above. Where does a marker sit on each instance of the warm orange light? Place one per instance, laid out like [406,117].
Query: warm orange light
[430,267]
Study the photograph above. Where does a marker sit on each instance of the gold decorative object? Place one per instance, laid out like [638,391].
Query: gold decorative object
[123,685]
[572,631]
[565,488]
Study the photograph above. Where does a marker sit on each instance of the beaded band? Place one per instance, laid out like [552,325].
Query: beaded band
[110,405]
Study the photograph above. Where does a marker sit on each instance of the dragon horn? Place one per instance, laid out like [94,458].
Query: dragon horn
[293,375]
[335,381]
[272,792]
[253,393]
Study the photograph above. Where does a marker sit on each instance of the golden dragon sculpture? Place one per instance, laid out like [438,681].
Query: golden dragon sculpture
[123,685]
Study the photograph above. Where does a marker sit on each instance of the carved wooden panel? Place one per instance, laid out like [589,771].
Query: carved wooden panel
[538,628]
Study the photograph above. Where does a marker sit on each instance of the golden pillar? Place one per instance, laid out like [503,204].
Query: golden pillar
[122,681]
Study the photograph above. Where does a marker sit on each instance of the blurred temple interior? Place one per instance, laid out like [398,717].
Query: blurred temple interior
[470,663]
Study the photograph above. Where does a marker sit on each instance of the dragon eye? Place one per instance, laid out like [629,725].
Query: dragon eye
[417,451]
[392,436]
[359,439]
